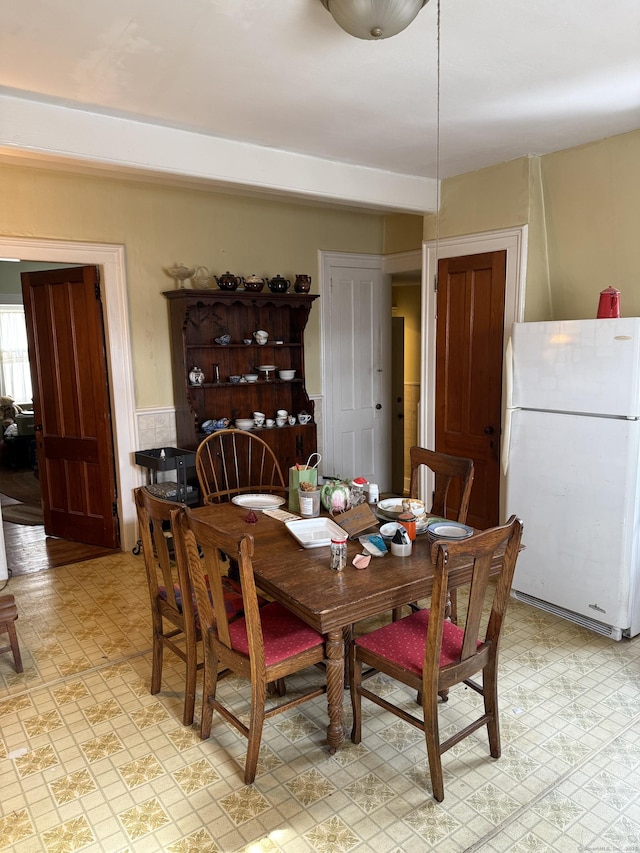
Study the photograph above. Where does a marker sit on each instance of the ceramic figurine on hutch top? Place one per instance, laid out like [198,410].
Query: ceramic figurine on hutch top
[196,376]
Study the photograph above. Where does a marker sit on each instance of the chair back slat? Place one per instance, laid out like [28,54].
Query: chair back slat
[453,481]
[231,462]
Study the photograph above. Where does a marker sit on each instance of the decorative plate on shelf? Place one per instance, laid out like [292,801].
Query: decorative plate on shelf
[258,501]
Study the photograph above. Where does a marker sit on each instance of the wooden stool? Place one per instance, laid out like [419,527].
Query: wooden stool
[8,616]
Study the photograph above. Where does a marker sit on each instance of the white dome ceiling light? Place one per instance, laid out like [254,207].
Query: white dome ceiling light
[373,19]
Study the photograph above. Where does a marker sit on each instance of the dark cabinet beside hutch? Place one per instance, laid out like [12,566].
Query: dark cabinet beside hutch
[197,318]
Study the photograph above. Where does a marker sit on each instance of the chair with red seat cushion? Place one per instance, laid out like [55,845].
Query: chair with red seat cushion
[430,654]
[265,645]
[166,578]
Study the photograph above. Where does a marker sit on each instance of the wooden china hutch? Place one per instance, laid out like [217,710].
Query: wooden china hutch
[197,318]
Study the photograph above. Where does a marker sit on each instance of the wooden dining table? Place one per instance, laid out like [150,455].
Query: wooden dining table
[331,602]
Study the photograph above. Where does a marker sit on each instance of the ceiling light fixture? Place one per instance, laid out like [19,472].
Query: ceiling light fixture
[373,19]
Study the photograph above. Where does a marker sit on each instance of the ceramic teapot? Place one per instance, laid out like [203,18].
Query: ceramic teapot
[302,284]
[336,496]
[228,281]
[254,283]
[278,284]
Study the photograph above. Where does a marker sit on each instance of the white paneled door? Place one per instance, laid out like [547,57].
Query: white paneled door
[356,306]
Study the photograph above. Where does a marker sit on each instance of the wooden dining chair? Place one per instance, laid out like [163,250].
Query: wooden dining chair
[8,616]
[452,474]
[232,462]
[430,654]
[265,645]
[174,615]
[451,495]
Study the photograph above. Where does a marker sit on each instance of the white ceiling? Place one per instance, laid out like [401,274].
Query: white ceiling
[516,78]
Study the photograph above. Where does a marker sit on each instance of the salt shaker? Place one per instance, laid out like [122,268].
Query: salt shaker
[373,493]
[338,553]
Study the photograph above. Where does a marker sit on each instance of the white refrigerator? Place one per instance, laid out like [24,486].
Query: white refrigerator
[571,457]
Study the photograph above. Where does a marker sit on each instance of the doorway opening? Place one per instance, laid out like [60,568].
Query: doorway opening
[513,241]
[110,258]
[405,369]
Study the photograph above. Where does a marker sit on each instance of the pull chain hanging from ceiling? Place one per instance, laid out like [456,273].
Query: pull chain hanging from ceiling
[437,229]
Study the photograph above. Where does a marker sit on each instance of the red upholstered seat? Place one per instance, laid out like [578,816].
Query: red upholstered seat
[404,642]
[283,634]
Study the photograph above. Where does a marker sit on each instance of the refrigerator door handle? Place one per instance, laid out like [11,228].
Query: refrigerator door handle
[508,374]
[508,385]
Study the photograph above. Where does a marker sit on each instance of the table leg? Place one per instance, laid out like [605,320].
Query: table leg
[335,688]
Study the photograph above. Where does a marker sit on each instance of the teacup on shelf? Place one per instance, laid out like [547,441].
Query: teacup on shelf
[304,418]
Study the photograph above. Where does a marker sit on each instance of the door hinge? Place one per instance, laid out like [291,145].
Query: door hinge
[97,285]
[435,283]
[114,509]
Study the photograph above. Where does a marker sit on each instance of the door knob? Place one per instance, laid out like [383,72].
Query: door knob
[488,430]
[378,405]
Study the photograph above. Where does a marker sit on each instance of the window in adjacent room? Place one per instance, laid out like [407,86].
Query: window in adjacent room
[15,374]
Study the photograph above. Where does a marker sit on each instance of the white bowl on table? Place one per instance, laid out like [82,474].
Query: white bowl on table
[244,423]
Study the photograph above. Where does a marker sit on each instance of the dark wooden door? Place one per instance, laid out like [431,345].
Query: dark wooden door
[469,336]
[72,405]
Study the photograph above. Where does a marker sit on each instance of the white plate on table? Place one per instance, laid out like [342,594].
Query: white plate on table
[314,532]
[258,501]
[451,530]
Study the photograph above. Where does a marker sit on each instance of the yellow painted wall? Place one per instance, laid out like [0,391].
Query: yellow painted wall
[582,206]
[592,205]
[163,225]
[402,233]
[406,303]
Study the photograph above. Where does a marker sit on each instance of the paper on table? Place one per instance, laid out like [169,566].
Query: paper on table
[281,514]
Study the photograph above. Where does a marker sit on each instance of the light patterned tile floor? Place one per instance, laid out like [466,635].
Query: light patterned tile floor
[90,761]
